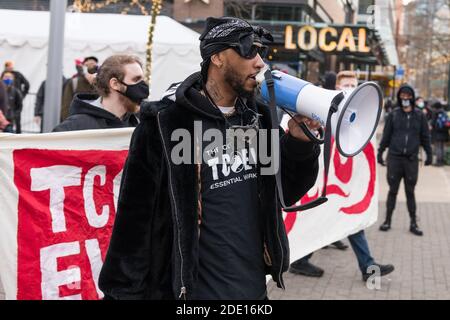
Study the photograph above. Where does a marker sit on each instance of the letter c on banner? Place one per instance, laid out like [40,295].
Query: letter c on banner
[94,219]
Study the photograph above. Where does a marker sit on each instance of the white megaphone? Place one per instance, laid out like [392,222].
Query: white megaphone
[357,116]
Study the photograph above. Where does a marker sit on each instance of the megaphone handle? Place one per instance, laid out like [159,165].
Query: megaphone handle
[327,156]
[326,159]
[327,147]
[313,137]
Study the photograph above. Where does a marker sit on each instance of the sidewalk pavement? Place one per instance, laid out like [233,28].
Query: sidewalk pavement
[421,263]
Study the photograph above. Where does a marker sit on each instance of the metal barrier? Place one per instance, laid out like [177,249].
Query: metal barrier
[27,116]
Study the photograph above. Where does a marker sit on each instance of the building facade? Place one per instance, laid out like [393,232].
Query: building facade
[311,36]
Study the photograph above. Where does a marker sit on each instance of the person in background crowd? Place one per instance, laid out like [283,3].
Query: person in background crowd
[5,125]
[14,101]
[420,103]
[20,82]
[387,107]
[81,82]
[346,80]
[439,132]
[406,128]
[121,88]
[4,106]
[39,104]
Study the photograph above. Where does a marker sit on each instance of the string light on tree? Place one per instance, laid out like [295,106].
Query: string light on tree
[156,10]
[89,6]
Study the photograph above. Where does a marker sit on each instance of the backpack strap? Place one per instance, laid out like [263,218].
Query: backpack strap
[74,84]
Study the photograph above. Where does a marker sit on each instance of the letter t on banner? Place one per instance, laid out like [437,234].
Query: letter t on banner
[55,178]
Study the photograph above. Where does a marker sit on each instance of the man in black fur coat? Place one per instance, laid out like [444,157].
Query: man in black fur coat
[209,229]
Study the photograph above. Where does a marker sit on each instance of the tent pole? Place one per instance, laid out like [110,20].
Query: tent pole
[53,83]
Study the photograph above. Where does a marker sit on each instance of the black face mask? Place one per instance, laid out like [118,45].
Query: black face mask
[136,92]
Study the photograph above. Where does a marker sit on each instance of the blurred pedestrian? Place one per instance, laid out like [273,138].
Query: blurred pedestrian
[440,126]
[405,130]
[387,108]
[346,80]
[420,103]
[121,88]
[5,125]
[39,104]
[14,101]
[81,82]
[20,82]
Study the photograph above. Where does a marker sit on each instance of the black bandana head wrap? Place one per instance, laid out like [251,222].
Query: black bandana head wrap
[220,33]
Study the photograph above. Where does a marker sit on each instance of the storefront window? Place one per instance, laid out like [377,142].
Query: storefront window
[364,6]
[240,10]
[278,13]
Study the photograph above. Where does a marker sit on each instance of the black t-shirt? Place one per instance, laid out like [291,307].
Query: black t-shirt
[231,263]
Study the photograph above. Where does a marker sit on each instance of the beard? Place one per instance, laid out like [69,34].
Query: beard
[129,105]
[237,82]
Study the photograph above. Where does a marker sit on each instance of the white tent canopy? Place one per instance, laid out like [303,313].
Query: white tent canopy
[24,39]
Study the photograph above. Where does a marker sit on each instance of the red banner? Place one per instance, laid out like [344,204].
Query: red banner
[66,211]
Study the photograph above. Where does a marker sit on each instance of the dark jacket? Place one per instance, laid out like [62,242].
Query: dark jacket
[4,106]
[40,99]
[15,102]
[85,116]
[73,86]
[439,134]
[404,133]
[20,82]
[153,252]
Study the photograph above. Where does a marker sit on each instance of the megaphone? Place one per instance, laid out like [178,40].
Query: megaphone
[357,116]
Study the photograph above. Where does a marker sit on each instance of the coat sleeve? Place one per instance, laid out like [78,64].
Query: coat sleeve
[25,87]
[387,133]
[19,101]
[66,99]
[66,125]
[299,167]
[425,136]
[127,261]
[39,104]
[3,99]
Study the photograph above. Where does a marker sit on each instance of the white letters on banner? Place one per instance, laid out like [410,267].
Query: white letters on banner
[94,219]
[55,179]
[52,279]
[60,194]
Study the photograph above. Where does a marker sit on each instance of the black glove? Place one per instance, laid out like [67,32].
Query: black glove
[429,161]
[380,159]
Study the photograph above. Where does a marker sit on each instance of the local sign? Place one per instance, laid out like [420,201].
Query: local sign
[327,39]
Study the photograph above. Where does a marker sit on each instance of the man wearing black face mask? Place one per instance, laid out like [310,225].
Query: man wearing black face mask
[121,88]
[405,130]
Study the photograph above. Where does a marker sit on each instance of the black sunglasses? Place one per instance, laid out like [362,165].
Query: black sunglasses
[247,52]
[251,52]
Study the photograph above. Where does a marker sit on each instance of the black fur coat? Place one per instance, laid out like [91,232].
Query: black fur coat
[153,253]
